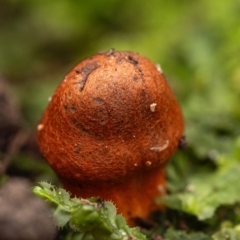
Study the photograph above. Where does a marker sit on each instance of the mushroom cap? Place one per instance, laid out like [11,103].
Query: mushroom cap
[112,117]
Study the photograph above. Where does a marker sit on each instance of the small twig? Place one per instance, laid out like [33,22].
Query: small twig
[17,142]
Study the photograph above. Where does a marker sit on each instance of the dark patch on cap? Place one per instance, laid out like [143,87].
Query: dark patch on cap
[135,62]
[135,78]
[98,100]
[132,60]
[85,72]
[70,107]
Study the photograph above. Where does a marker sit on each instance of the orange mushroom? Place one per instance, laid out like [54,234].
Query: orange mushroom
[109,130]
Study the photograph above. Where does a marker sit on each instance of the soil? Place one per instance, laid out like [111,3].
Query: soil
[22,215]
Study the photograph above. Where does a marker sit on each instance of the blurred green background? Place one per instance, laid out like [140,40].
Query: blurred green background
[196,42]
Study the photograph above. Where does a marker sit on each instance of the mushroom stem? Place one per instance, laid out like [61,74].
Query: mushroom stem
[134,197]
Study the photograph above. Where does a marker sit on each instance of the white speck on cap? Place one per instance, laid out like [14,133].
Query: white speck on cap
[148,163]
[159,68]
[160,148]
[40,127]
[152,107]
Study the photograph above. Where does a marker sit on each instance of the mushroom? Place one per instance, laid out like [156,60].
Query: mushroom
[109,130]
